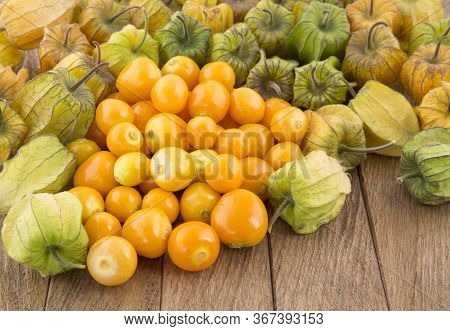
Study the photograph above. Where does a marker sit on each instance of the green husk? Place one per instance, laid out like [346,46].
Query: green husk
[55,103]
[428,33]
[183,35]
[272,78]
[319,84]
[236,46]
[45,232]
[42,165]
[309,192]
[322,31]
[425,166]
[270,24]
[126,45]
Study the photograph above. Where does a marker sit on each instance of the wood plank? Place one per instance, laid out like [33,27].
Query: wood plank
[77,290]
[239,280]
[21,288]
[333,269]
[412,239]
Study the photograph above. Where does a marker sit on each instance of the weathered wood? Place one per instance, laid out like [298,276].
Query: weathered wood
[333,269]
[21,288]
[77,290]
[240,280]
[412,239]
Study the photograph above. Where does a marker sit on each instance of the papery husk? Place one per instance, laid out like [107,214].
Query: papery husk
[332,129]
[240,8]
[42,165]
[102,83]
[10,55]
[270,24]
[425,166]
[323,31]
[373,54]
[425,70]
[236,46]
[309,192]
[126,45]
[434,111]
[101,18]
[59,41]
[216,17]
[319,84]
[289,4]
[414,12]
[387,117]
[49,104]
[272,78]
[45,232]
[183,35]
[158,14]
[300,5]
[10,82]
[362,14]
[12,131]
[24,21]
[428,33]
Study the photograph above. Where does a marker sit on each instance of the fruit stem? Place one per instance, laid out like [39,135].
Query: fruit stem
[371,8]
[67,35]
[99,52]
[141,43]
[326,18]
[269,13]
[87,76]
[278,213]
[112,19]
[367,150]
[370,36]
[351,90]
[63,263]
[313,77]
[409,176]
[185,29]
[241,41]
[438,46]
[274,86]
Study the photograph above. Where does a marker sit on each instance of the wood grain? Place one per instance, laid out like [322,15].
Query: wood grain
[333,269]
[21,288]
[240,280]
[77,290]
[412,240]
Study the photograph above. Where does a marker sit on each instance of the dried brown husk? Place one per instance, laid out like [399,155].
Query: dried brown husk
[59,41]
[10,55]
[387,117]
[24,21]
[102,18]
[10,82]
[362,14]
[425,70]
[434,111]
[373,54]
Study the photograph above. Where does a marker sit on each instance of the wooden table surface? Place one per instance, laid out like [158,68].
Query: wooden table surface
[384,252]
